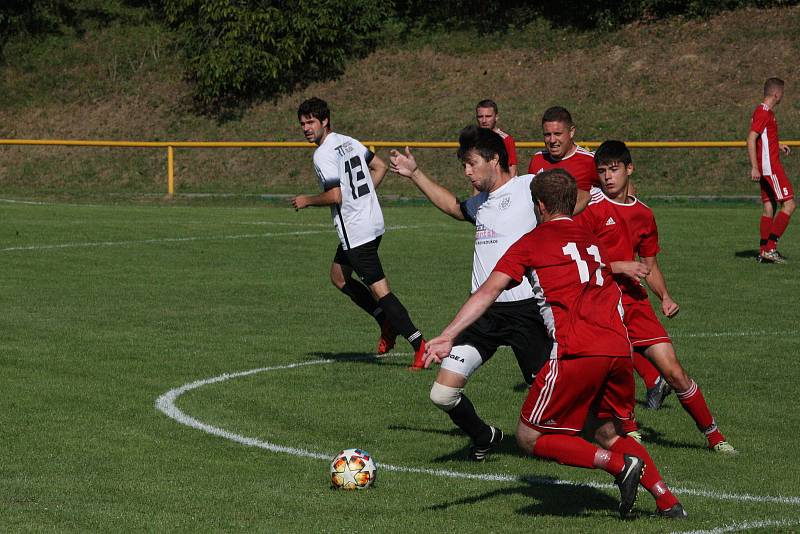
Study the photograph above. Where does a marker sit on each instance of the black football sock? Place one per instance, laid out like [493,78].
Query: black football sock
[398,317]
[466,418]
[363,298]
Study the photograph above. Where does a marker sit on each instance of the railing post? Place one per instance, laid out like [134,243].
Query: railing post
[170,171]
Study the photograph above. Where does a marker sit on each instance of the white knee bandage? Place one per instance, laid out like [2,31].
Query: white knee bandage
[445,397]
[463,359]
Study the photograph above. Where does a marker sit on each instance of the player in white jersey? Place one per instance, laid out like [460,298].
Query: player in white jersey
[348,175]
[502,212]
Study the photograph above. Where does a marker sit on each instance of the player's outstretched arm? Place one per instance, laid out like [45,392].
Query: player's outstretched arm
[405,164]
[439,347]
[755,174]
[657,283]
[377,168]
[328,198]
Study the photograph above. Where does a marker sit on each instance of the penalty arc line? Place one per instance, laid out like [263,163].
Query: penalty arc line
[166,404]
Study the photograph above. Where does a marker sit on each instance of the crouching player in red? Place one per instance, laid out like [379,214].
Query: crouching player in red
[627,228]
[589,371]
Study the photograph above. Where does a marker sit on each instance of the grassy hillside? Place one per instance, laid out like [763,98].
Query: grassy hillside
[676,80]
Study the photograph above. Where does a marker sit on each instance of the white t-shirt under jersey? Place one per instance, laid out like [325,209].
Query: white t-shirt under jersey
[341,161]
[501,218]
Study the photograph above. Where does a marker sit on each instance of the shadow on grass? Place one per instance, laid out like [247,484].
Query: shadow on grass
[359,357]
[749,254]
[552,498]
[427,430]
[651,436]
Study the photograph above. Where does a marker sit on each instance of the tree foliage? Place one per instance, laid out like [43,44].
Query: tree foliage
[244,49]
[237,50]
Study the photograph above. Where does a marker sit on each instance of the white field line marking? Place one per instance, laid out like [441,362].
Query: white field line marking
[746,525]
[184,239]
[29,202]
[743,333]
[166,404]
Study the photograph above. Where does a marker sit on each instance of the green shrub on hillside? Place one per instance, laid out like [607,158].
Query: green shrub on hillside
[254,49]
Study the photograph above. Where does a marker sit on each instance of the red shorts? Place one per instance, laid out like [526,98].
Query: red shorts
[644,328]
[776,187]
[567,390]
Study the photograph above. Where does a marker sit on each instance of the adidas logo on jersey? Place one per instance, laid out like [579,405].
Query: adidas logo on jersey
[610,221]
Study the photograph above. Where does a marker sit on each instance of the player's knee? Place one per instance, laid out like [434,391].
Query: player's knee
[445,397]
[526,438]
[789,206]
[677,378]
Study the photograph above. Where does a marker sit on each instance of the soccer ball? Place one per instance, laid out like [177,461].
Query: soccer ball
[352,469]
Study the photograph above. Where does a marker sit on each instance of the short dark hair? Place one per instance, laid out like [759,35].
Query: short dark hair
[485,142]
[487,104]
[612,151]
[556,189]
[315,107]
[557,114]
[771,84]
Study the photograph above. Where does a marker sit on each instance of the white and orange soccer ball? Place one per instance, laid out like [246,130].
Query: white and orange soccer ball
[352,469]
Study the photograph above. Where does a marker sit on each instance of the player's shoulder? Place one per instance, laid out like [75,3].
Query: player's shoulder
[583,153]
[637,202]
[596,195]
[503,135]
[524,180]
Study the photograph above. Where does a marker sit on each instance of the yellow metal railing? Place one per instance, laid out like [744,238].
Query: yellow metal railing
[373,145]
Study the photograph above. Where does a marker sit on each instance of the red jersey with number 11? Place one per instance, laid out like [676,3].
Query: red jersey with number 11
[578,299]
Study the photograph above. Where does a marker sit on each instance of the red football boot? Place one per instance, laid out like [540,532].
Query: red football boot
[386,342]
[419,359]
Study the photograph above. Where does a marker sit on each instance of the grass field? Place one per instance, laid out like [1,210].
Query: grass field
[107,308]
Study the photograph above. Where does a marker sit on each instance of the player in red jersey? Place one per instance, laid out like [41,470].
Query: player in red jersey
[627,228]
[486,114]
[561,152]
[589,370]
[763,149]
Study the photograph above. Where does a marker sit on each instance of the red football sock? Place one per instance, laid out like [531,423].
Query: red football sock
[577,452]
[694,403]
[651,478]
[645,369]
[764,229]
[779,224]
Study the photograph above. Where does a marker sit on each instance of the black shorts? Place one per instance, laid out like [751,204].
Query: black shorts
[513,324]
[364,260]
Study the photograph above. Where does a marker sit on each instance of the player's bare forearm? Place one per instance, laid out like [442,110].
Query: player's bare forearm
[405,164]
[378,169]
[755,174]
[477,304]
[632,269]
[328,198]
[655,280]
[441,197]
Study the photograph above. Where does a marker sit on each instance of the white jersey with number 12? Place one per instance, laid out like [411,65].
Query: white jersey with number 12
[341,161]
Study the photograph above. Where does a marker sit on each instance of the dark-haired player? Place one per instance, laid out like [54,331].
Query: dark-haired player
[487,115]
[763,149]
[561,152]
[502,212]
[627,228]
[348,175]
[589,370]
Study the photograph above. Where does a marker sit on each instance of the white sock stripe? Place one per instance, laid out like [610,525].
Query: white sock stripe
[689,392]
[414,336]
